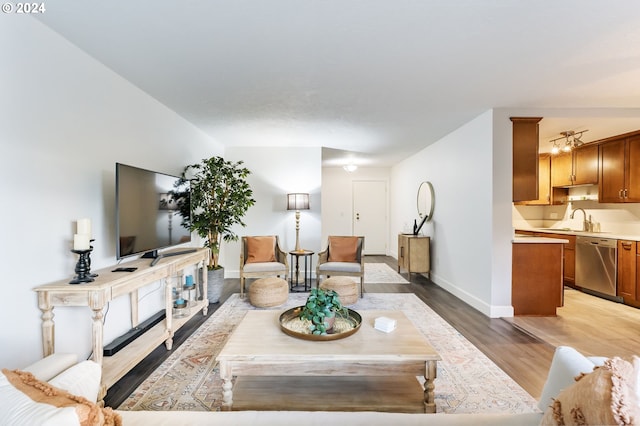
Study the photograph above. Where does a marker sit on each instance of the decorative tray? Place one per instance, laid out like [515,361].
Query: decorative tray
[292,325]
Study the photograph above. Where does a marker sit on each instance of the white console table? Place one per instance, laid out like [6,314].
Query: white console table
[109,285]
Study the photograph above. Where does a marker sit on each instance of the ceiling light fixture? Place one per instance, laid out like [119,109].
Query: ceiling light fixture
[571,140]
[350,167]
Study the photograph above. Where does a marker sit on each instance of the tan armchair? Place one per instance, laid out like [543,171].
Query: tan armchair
[343,257]
[260,257]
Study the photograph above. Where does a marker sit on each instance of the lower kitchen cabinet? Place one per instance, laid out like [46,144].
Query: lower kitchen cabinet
[569,254]
[628,259]
[536,278]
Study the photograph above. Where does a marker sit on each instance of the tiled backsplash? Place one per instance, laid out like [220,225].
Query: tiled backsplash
[621,218]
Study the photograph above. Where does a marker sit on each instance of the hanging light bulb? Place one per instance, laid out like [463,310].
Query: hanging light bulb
[556,149]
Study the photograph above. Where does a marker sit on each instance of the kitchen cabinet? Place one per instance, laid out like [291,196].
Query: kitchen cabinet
[536,278]
[620,169]
[627,270]
[413,253]
[525,158]
[544,183]
[578,167]
[568,254]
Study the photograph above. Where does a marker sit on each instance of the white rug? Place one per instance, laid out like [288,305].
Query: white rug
[467,381]
[381,273]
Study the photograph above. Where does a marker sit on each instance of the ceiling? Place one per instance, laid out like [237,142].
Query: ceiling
[371,80]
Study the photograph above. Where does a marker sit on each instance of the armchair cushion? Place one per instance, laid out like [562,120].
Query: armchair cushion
[261,249]
[343,249]
[274,267]
[337,267]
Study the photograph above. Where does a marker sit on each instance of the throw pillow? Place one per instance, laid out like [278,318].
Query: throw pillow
[81,379]
[261,249]
[567,363]
[607,396]
[343,249]
[25,400]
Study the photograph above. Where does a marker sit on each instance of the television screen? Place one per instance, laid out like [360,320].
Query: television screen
[147,219]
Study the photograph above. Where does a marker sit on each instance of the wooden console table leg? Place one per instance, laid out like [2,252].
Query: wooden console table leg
[97,328]
[168,298]
[227,386]
[48,343]
[205,286]
[429,386]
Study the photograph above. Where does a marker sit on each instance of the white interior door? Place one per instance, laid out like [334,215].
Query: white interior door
[370,215]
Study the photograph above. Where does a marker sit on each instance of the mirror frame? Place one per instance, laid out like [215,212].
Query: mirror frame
[426,192]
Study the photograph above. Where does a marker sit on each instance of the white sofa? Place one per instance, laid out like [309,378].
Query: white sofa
[567,363]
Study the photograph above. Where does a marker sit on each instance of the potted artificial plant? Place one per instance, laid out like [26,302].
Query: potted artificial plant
[216,198]
[321,309]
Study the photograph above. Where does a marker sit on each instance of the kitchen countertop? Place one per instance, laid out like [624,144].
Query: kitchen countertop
[566,231]
[528,239]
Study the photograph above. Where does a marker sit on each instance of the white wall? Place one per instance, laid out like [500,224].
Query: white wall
[461,168]
[337,199]
[65,120]
[275,172]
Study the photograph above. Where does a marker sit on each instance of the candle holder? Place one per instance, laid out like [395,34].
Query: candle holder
[82,267]
[89,260]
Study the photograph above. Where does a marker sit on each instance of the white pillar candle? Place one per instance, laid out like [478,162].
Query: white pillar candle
[84,227]
[80,242]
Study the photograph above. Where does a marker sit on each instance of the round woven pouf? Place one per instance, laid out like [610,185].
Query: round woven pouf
[346,288]
[268,292]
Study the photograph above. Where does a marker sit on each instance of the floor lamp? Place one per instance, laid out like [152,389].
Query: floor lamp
[297,202]
[168,204]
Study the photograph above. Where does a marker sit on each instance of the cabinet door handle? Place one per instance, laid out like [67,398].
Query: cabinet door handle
[626,192]
[625,245]
[620,193]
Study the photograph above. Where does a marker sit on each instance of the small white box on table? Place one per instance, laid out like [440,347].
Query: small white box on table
[385,324]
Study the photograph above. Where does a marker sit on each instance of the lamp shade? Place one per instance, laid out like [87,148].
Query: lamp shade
[298,201]
[167,202]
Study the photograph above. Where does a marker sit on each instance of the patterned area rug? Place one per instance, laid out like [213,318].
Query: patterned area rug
[381,273]
[467,381]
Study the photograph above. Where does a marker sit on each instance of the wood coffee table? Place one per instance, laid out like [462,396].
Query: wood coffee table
[373,370]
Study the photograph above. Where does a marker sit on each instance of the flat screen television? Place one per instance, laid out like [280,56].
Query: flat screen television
[147,219]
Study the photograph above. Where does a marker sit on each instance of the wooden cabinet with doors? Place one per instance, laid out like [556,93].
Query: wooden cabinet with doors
[627,271]
[578,167]
[525,158]
[544,183]
[585,165]
[620,169]
[413,253]
[569,254]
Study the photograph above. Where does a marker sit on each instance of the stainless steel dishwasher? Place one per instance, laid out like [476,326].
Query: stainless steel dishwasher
[596,265]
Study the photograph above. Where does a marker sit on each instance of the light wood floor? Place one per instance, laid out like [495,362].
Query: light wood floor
[592,325]
[522,355]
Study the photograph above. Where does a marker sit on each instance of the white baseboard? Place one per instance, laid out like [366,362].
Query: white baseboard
[492,311]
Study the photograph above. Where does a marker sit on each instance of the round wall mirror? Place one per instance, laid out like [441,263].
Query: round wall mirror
[426,201]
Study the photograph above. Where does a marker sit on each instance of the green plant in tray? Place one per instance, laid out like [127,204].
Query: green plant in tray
[322,306]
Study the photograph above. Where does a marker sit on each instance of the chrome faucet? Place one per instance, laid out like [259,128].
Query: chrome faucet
[586,225]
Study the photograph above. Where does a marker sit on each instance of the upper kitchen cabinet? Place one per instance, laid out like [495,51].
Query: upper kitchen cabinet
[578,167]
[544,183]
[620,169]
[525,158]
